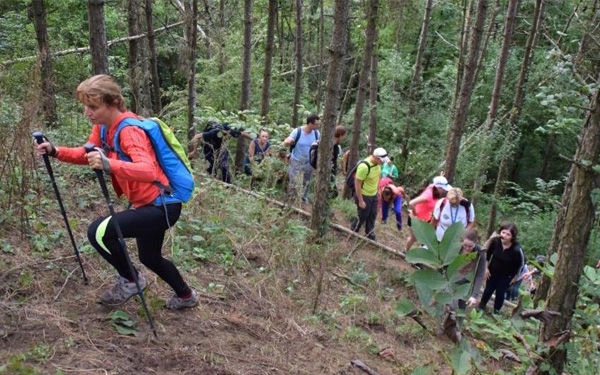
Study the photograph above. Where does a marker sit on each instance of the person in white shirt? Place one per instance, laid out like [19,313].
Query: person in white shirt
[452,209]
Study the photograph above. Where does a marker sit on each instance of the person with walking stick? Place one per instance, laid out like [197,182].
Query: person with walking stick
[140,180]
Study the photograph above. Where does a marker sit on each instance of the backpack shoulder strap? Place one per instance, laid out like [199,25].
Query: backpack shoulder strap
[317,135]
[116,144]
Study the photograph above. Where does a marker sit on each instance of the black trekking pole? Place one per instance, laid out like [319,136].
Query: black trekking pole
[40,138]
[89,148]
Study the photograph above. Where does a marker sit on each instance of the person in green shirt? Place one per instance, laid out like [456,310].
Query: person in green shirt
[366,184]
[389,170]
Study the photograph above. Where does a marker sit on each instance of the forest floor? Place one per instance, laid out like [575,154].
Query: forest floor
[262,317]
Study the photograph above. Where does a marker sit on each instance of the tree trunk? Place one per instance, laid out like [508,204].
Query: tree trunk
[337,51]
[574,236]
[268,71]
[156,99]
[221,53]
[416,80]
[240,150]
[41,33]
[516,110]
[464,38]
[509,28]
[351,79]
[373,99]
[97,37]
[455,131]
[133,55]
[321,56]
[372,14]
[191,41]
[298,76]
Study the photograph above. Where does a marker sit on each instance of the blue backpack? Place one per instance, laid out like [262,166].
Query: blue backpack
[170,155]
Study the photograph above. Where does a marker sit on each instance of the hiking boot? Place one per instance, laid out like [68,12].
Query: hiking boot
[122,291]
[177,303]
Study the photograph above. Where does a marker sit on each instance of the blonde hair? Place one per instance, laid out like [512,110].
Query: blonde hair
[100,89]
[455,192]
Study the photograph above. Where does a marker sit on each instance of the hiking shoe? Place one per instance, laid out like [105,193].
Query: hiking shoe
[177,303]
[122,291]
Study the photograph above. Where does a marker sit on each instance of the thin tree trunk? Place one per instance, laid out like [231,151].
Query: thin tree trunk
[240,150]
[321,56]
[191,40]
[372,14]
[509,28]
[516,109]
[97,37]
[268,70]
[221,53]
[352,78]
[133,54]
[488,36]
[574,237]
[455,131]
[464,38]
[157,103]
[416,80]
[337,51]
[298,75]
[373,99]
[41,33]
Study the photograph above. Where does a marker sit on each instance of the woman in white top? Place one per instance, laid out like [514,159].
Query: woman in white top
[452,209]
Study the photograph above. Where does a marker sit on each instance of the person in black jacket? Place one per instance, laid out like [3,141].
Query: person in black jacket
[505,260]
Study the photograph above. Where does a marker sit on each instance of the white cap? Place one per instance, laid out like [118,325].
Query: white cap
[381,154]
[441,182]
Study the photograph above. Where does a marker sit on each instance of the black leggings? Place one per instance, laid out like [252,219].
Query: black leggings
[147,225]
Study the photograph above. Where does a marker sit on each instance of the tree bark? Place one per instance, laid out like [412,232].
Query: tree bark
[372,14]
[321,57]
[268,70]
[415,82]
[191,41]
[133,54]
[574,236]
[337,51]
[373,99]
[41,33]
[156,99]
[298,75]
[455,131]
[509,28]
[97,37]
[240,151]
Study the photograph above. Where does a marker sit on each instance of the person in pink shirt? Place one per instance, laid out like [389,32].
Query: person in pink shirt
[390,195]
[422,206]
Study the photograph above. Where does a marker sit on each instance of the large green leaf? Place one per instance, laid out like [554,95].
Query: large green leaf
[404,307]
[430,278]
[451,243]
[452,273]
[423,256]
[461,361]
[425,233]
[425,296]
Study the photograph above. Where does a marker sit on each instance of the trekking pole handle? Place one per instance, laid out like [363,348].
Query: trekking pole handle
[39,137]
[89,147]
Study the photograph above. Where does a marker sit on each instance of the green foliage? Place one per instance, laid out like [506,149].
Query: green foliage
[123,323]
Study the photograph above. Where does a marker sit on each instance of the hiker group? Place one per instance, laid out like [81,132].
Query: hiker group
[149,167]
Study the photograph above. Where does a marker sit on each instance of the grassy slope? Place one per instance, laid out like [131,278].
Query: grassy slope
[258,280]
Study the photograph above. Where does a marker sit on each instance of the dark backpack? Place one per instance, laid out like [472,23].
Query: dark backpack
[351,177]
[313,154]
[464,202]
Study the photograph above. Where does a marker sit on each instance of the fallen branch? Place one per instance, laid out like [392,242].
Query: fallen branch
[359,364]
[82,50]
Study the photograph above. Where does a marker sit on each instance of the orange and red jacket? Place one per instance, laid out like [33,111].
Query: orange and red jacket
[134,179]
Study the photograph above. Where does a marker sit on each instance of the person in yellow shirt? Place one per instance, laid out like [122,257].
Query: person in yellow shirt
[366,185]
